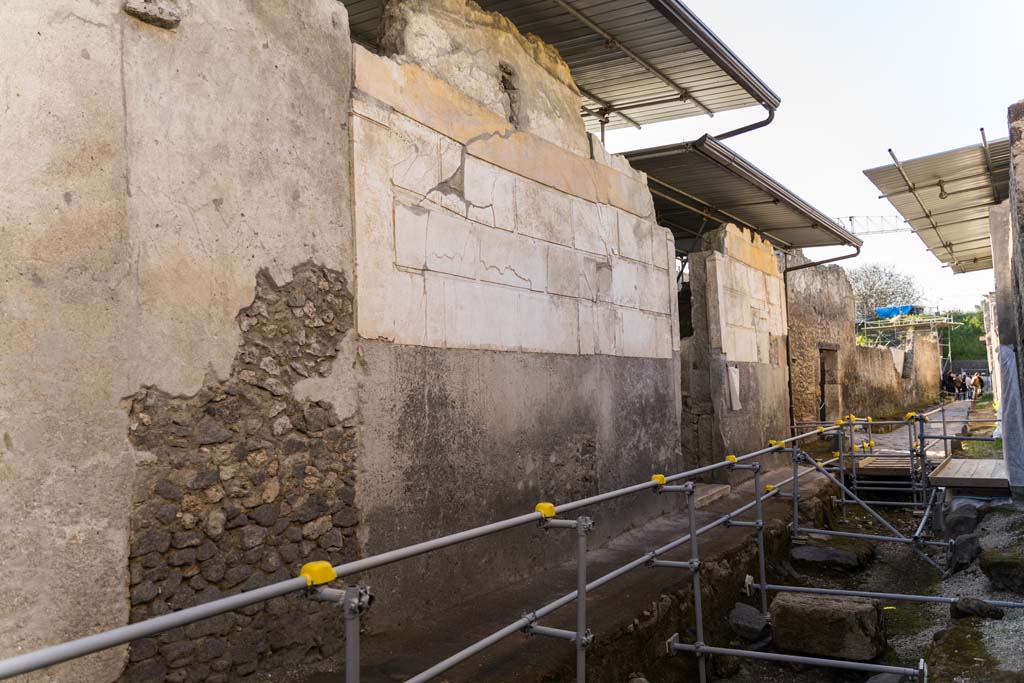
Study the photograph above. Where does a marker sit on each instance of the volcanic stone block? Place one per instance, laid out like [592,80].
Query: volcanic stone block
[822,625]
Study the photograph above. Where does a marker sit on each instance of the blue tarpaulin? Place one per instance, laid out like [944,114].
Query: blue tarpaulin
[892,311]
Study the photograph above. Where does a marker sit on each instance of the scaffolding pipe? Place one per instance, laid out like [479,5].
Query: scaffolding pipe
[880,596]
[555,605]
[797,659]
[873,537]
[80,647]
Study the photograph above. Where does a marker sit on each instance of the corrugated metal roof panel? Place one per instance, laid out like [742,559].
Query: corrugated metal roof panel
[956,188]
[663,33]
[702,182]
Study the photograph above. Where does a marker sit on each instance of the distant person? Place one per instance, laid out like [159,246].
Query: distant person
[976,386]
[948,383]
[958,386]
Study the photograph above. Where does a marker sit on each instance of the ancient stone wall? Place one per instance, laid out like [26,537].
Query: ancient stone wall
[821,323]
[243,331]
[155,162]
[515,303]
[1015,118]
[862,380]
[737,375]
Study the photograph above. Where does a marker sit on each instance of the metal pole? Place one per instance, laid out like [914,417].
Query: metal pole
[878,518]
[842,475]
[796,493]
[356,601]
[945,444]
[691,512]
[762,570]
[881,596]
[583,525]
[796,659]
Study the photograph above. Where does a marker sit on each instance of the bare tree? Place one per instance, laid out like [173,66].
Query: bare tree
[876,285]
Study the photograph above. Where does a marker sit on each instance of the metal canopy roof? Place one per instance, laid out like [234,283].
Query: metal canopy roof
[945,198]
[635,61]
[700,184]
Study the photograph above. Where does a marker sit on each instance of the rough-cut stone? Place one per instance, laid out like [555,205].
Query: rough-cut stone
[1005,569]
[966,549]
[821,625]
[162,13]
[821,557]
[961,521]
[747,622]
[240,467]
[973,607]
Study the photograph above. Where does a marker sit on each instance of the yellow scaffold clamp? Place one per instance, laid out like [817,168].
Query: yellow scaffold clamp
[871,443]
[909,416]
[835,454]
[869,419]
[820,429]
[731,458]
[889,608]
[772,443]
[853,418]
[318,573]
[768,488]
[658,479]
[856,447]
[546,510]
[839,422]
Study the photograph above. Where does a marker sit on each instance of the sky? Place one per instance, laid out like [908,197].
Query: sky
[855,78]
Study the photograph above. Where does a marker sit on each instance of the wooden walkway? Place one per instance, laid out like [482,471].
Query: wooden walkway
[889,465]
[971,473]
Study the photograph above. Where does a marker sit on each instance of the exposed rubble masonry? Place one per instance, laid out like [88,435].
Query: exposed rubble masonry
[242,484]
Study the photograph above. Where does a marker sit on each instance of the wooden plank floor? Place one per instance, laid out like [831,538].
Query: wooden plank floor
[971,473]
[888,465]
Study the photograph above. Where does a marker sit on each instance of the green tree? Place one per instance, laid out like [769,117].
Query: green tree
[965,341]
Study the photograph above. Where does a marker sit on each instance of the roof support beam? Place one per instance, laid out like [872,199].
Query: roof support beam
[988,166]
[920,202]
[607,107]
[613,42]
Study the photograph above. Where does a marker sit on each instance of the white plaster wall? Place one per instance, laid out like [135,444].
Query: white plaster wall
[749,308]
[148,175]
[457,251]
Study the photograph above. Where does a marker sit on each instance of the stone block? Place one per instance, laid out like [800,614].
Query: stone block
[415,155]
[609,330]
[480,315]
[652,290]
[391,306]
[1005,569]
[662,246]
[587,313]
[590,271]
[563,271]
[639,334]
[543,212]
[490,193]
[510,259]
[595,227]
[452,245]
[411,235]
[827,626]
[636,239]
[623,288]
[548,324]
[748,623]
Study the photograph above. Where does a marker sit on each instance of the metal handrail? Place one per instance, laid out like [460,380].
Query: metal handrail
[55,654]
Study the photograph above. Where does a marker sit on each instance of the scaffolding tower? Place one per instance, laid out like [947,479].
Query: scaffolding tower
[893,332]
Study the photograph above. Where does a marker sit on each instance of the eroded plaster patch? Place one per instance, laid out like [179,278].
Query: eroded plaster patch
[244,482]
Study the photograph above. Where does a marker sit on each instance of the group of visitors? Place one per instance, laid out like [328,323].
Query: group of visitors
[962,385]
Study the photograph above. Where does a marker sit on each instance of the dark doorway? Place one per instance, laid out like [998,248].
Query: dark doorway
[828,384]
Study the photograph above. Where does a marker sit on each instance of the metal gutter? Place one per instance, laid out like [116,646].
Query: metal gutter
[703,37]
[614,42]
[714,150]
